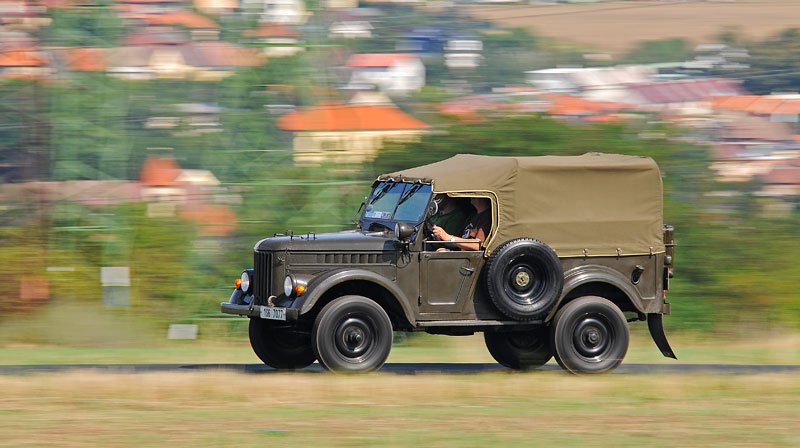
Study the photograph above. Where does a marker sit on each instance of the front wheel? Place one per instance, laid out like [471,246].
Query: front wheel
[352,334]
[589,335]
[519,350]
[280,347]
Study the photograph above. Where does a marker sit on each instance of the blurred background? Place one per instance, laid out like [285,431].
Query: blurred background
[146,145]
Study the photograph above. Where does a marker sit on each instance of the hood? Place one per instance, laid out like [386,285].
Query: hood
[348,241]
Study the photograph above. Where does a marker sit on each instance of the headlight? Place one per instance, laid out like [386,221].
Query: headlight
[294,287]
[247,281]
[288,286]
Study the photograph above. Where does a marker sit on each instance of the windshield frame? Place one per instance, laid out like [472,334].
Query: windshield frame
[378,187]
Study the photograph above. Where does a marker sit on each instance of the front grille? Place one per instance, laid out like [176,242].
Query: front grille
[262,265]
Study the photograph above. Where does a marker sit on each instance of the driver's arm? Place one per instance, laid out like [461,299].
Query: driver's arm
[462,243]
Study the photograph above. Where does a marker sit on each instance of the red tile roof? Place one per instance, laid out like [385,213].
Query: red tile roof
[272,30]
[186,19]
[785,175]
[573,105]
[85,59]
[159,172]
[150,1]
[758,105]
[20,57]
[377,59]
[686,90]
[221,54]
[214,219]
[349,117]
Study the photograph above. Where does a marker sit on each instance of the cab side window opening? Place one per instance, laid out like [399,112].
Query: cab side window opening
[474,233]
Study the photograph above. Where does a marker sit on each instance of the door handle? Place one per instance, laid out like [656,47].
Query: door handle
[466,271]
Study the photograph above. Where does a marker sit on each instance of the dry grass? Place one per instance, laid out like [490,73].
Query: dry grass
[616,26]
[225,409]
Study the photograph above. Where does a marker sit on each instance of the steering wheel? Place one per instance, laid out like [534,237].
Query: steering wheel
[427,226]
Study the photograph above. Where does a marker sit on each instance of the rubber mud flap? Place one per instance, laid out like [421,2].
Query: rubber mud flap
[656,326]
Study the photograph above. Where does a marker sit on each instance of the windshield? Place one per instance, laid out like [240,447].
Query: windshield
[391,201]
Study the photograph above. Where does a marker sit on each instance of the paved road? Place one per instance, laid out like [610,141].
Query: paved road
[399,368]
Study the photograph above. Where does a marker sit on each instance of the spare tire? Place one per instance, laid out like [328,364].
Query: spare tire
[524,278]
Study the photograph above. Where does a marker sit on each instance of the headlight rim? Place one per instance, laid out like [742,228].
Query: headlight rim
[250,273]
[290,292]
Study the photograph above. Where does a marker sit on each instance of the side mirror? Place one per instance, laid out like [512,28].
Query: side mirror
[403,231]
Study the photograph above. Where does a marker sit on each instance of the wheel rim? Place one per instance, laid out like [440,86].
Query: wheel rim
[525,281]
[592,337]
[354,336]
[526,340]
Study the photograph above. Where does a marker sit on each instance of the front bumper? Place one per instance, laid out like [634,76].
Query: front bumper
[254,311]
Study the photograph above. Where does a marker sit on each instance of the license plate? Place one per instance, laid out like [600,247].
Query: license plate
[273,313]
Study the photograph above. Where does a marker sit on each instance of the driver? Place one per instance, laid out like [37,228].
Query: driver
[452,214]
[477,228]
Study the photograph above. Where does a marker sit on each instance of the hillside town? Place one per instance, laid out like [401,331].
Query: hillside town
[371,98]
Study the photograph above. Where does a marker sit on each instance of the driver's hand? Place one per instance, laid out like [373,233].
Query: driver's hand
[440,234]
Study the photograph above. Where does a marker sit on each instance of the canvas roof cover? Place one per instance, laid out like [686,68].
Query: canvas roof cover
[594,204]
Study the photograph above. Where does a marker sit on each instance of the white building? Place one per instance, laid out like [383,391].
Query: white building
[463,53]
[289,12]
[394,74]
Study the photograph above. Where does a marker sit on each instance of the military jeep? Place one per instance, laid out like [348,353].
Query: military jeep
[576,250]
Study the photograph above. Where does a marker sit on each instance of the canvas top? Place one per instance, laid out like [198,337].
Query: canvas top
[590,205]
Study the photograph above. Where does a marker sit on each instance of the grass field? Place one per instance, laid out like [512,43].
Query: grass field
[297,409]
[223,408]
[616,26]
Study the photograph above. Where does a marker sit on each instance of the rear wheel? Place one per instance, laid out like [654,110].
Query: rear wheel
[280,347]
[352,334]
[589,335]
[519,350]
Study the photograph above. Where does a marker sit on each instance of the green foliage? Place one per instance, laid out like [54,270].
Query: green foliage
[92,26]
[507,56]
[662,50]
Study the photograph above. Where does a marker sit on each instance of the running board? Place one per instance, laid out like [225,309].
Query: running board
[479,323]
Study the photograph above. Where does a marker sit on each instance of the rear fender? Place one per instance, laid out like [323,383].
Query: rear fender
[593,273]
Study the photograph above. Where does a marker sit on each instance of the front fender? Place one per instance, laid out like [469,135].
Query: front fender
[324,282]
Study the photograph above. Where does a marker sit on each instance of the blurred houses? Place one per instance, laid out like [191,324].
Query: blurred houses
[758,141]
[350,29]
[290,12]
[199,61]
[216,7]
[277,39]
[24,63]
[392,73]
[463,52]
[347,133]
[191,194]
[423,41]
[90,193]
[23,15]
[520,100]
[636,84]
[133,9]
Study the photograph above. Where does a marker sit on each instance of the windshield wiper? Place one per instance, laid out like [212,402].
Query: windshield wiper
[385,189]
[407,195]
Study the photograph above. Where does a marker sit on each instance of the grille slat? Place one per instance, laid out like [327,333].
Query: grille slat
[263,269]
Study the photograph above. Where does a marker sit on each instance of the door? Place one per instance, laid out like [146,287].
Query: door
[447,279]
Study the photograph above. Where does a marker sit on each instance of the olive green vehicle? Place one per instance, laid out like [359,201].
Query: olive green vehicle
[577,250]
